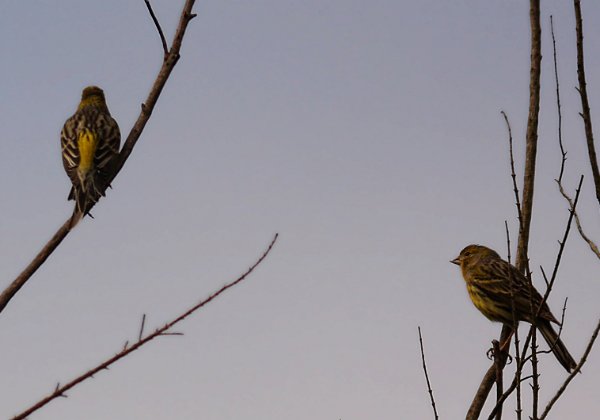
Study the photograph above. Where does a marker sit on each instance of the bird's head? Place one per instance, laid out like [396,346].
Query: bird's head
[92,95]
[472,254]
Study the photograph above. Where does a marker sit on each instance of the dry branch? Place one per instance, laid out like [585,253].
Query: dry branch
[60,391]
[429,390]
[549,284]
[582,361]
[528,184]
[585,106]
[515,325]
[563,152]
[582,233]
[169,62]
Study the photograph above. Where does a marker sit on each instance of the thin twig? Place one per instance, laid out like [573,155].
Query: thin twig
[141,334]
[560,142]
[158,28]
[563,152]
[585,106]
[586,238]
[167,67]
[60,390]
[544,276]
[499,377]
[435,414]
[572,211]
[519,409]
[512,171]
[577,369]
[560,328]
[535,387]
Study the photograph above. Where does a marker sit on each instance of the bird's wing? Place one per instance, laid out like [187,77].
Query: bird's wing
[70,152]
[110,139]
[526,298]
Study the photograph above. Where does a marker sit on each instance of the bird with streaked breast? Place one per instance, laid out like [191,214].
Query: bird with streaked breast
[503,294]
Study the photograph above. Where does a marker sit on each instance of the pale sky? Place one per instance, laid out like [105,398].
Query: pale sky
[368,134]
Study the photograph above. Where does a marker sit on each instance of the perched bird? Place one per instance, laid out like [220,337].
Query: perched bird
[488,278]
[90,142]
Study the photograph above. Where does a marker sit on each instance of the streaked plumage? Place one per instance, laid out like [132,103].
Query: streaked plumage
[90,142]
[488,278]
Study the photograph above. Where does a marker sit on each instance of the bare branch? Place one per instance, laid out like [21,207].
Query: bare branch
[499,379]
[563,242]
[141,334]
[582,361]
[590,243]
[435,414]
[488,381]
[167,67]
[164,330]
[158,28]
[560,142]
[528,184]
[585,106]
[523,359]
[39,259]
[512,172]
[532,133]
[515,325]
[563,152]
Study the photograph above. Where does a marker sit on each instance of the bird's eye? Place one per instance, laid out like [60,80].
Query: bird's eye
[467,254]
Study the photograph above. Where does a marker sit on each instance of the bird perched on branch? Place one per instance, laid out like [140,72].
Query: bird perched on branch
[90,142]
[489,277]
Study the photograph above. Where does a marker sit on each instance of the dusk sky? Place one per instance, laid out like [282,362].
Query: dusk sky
[367,134]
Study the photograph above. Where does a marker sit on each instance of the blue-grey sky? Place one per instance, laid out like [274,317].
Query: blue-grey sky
[368,134]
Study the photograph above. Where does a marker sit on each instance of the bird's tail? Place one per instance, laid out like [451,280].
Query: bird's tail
[556,345]
[80,204]
[84,201]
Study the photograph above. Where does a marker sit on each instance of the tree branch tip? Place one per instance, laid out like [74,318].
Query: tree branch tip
[190,16]
[171,333]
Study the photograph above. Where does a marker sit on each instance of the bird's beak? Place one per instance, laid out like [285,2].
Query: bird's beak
[456,261]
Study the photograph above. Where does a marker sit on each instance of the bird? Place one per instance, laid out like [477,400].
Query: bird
[488,278]
[90,141]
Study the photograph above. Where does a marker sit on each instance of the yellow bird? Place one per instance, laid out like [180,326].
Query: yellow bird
[488,278]
[90,141]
